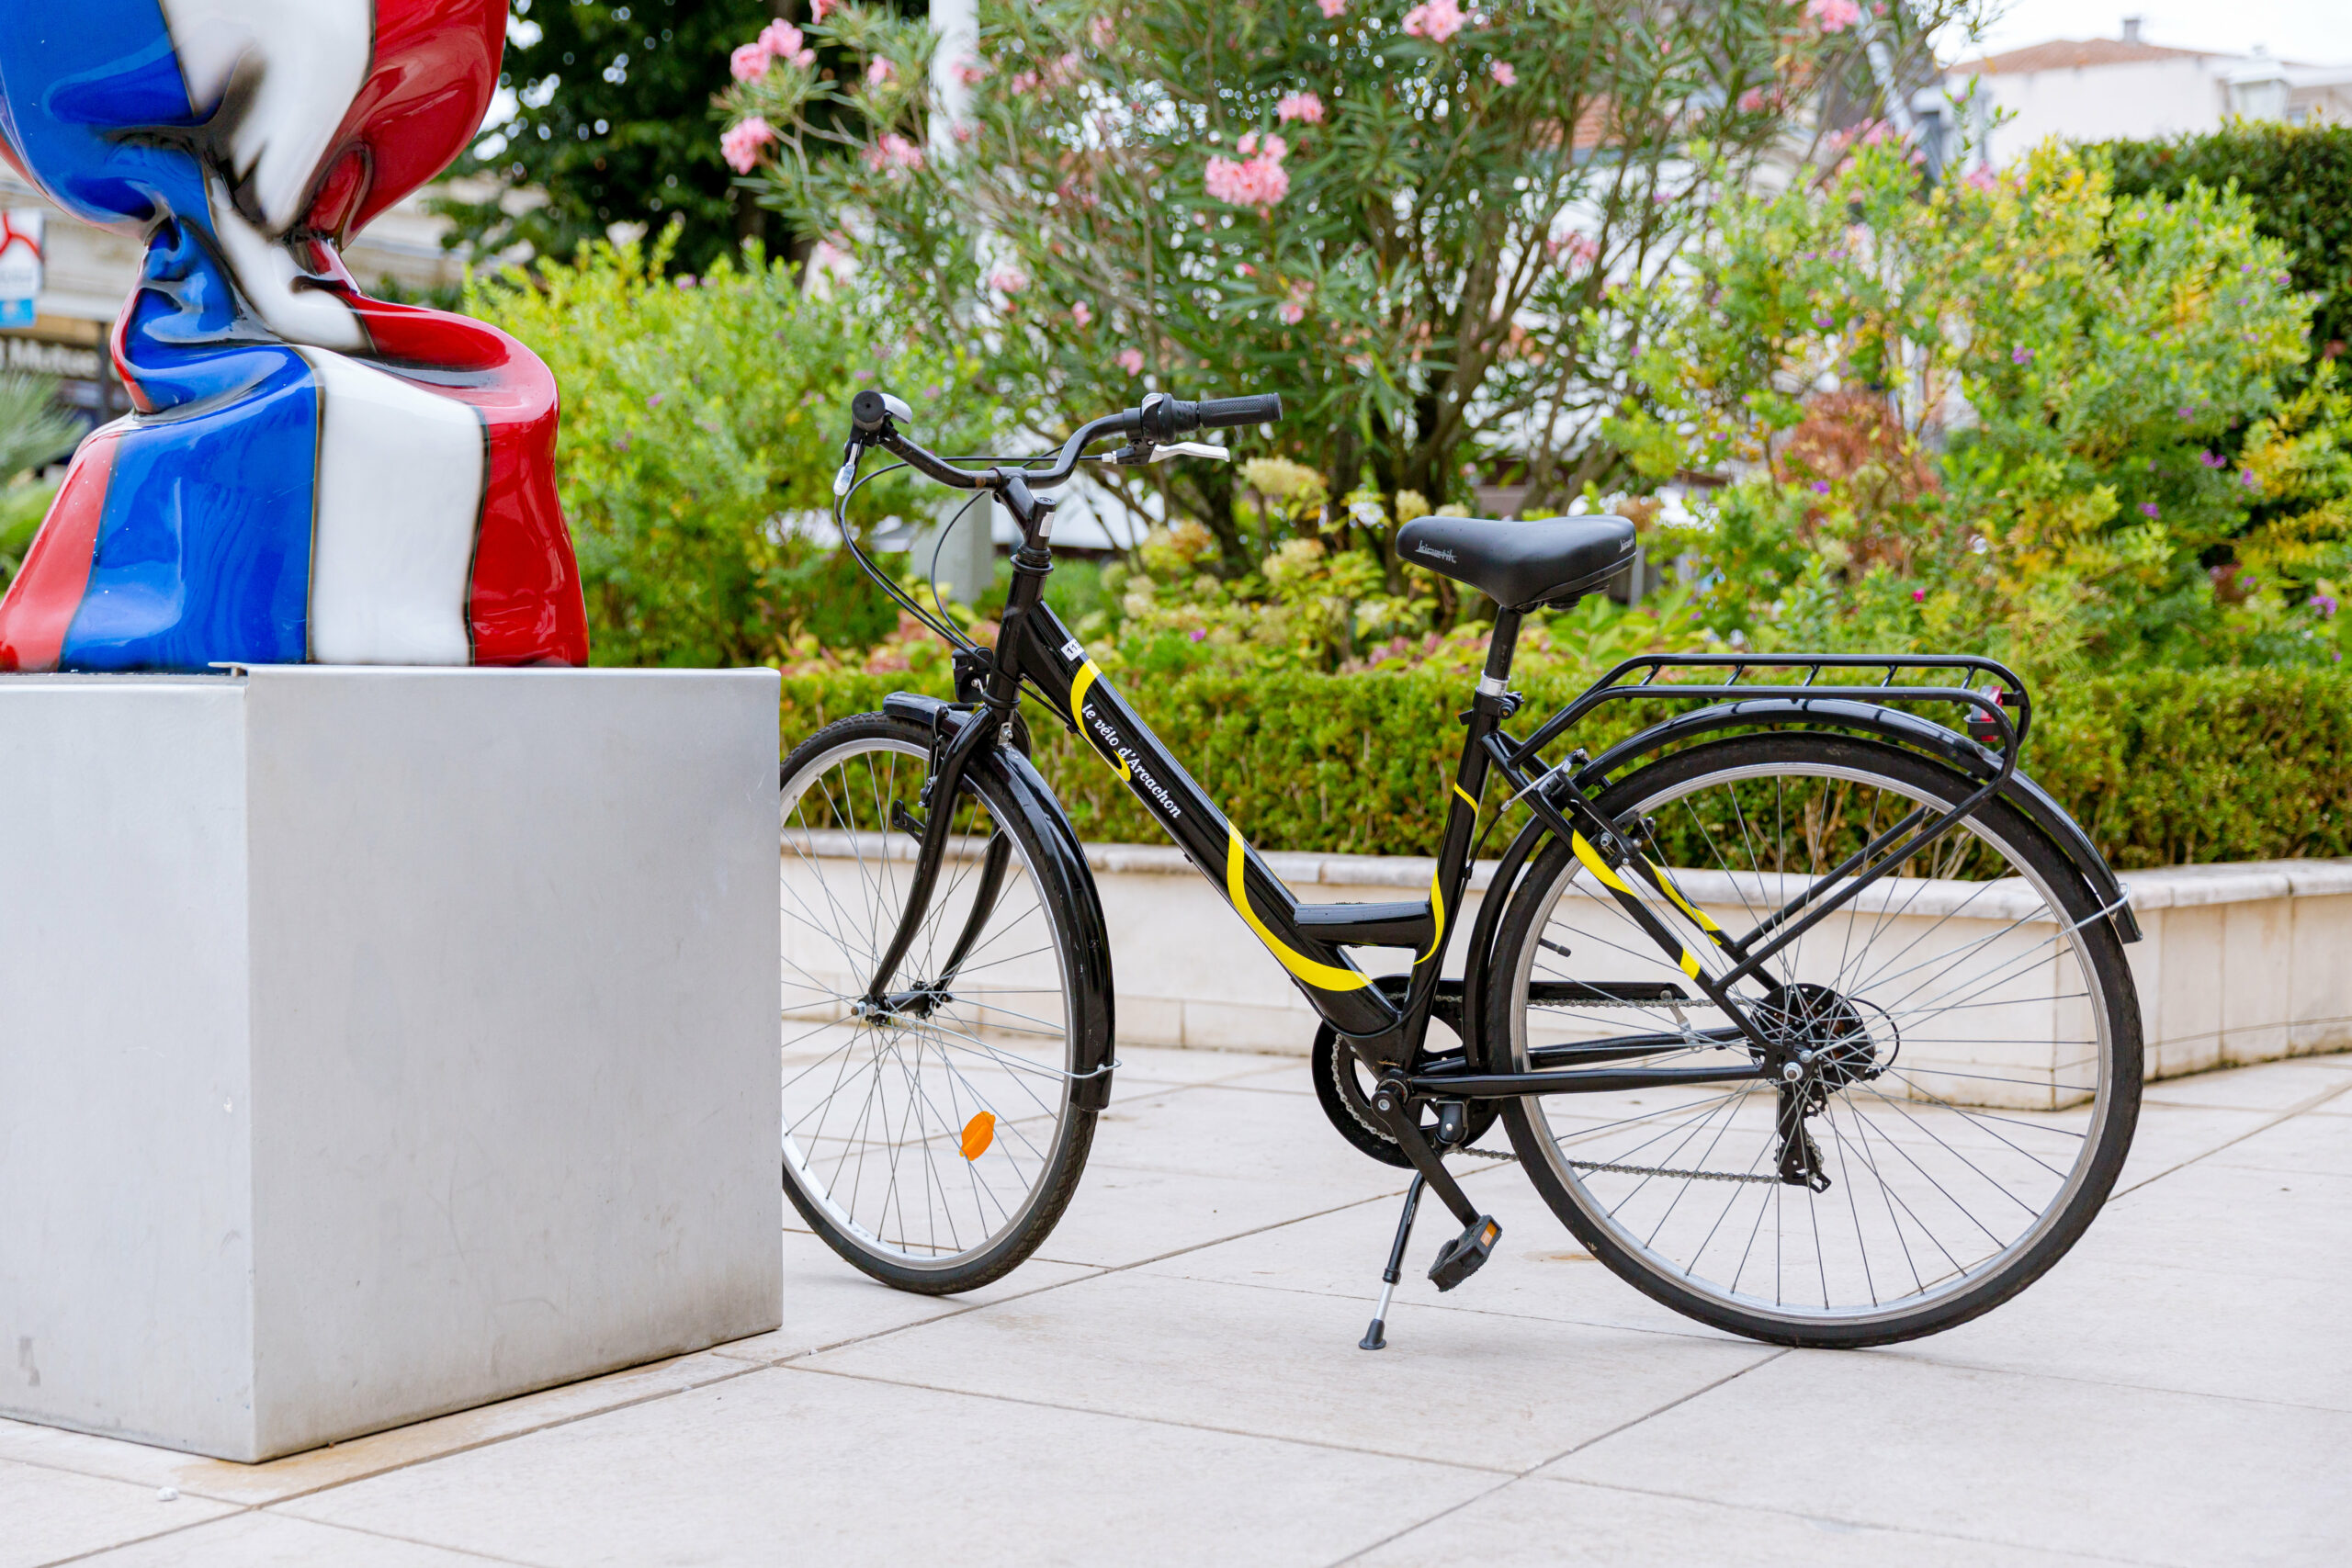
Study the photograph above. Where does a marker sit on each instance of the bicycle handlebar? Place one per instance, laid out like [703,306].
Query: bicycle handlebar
[875,415]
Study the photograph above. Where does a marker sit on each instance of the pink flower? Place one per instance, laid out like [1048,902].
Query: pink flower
[1259,181]
[781,39]
[1981,179]
[880,71]
[750,62]
[971,71]
[1752,100]
[1582,250]
[1504,73]
[819,9]
[1331,8]
[1101,30]
[1300,106]
[1438,20]
[740,146]
[1131,361]
[894,151]
[1292,312]
[1008,280]
[1081,314]
[1833,16]
[1026,81]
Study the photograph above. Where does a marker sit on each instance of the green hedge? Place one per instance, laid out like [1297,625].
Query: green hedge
[2299,180]
[2163,768]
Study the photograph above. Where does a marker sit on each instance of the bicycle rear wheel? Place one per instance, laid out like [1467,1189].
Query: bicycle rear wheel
[933,1141]
[1970,1033]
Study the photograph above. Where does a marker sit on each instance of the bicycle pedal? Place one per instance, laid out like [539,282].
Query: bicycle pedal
[1466,1254]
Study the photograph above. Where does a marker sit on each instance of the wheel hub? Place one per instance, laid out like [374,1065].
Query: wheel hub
[1822,1042]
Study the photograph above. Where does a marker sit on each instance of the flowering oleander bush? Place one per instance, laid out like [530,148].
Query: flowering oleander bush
[1410,219]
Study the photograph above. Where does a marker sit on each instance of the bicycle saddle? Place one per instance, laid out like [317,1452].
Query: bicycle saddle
[1520,564]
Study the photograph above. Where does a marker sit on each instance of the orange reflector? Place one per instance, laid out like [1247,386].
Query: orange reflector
[979,1133]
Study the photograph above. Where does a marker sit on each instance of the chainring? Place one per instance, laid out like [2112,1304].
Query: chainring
[1341,1091]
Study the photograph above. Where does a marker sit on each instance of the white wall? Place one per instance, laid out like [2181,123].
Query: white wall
[2145,98]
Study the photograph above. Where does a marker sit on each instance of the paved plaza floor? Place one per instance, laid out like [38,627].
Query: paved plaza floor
[1175,1381]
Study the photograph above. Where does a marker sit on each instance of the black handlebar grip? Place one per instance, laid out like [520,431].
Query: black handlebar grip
[1225,414]
[870,410]
[1163,418]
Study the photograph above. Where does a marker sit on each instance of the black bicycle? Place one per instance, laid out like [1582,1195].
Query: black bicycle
[1808,1015]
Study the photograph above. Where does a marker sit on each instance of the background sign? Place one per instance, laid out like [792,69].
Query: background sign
[20,273]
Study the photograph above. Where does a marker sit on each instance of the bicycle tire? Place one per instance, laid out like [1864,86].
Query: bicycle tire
[983,1054]
[1877,1144]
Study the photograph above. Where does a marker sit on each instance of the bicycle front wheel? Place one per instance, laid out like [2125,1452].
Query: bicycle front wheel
[934,1139]
[1955,1072]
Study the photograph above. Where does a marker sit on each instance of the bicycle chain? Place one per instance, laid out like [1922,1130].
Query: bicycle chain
[1637,1170]
[1661,1170]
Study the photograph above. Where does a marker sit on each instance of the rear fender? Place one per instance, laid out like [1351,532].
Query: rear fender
[1901,729]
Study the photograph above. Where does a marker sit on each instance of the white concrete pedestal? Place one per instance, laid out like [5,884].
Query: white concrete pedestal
[378,1043]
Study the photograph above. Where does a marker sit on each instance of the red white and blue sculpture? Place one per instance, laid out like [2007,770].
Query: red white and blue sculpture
[308,474]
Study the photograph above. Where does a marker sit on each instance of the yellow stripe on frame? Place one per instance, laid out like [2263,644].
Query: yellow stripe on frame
[1599,867]
[1436,907]
[1679,901]
[1086,677]
[1322,977]
[1465,798]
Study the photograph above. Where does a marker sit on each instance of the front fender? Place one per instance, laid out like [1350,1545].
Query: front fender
[1064,874]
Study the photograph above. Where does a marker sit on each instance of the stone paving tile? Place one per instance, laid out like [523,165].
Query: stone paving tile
[2266,1086]
[2105,1315]
[2322,1145]
[1122,1217]
[2171,1135]
[1160,1066]
[1280,1139]
[1488,1389]
[267,1541]
[197,1477]
[1543,1523]
[1539,1269]
[828,1301]
[2033,1462]
[48,1514]
[2226,1218]
[788,1466]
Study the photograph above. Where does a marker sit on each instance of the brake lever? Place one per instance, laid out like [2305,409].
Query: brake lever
[1188,449]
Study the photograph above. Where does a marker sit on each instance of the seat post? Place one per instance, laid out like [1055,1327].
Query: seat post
[1500,648]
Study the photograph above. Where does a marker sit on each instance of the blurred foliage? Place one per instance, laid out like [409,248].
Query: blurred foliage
[2021,415]
[23,505]
[33,429]
[2299,181]
[703,420]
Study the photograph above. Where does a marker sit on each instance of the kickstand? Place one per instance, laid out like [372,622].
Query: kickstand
[1375,1337]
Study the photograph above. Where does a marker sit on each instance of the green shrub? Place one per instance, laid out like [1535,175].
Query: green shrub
[702,418]
[2162,767]
[2298,179]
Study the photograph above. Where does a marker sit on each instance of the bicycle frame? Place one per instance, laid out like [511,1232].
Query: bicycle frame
[1311,941]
